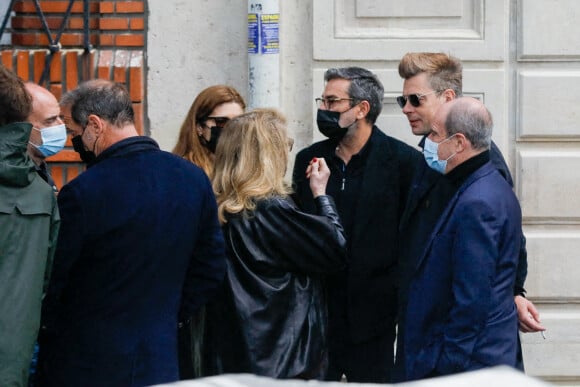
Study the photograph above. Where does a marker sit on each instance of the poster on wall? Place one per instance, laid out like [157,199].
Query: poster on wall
[269,26]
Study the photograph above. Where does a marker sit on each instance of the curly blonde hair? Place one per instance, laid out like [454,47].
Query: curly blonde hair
[250,163]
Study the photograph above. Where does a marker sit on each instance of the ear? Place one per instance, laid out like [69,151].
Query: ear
[97,123]
[462,142]
[449,95]
[364,108]
[198,130]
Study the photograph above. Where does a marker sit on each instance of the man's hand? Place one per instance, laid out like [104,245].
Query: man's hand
[528,315]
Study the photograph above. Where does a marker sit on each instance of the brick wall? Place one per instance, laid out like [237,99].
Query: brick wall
[117,36]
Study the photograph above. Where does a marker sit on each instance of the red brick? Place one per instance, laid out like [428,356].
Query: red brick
[22,64]
[24,6]
[64,155]
[20,39]
[129,40]
[39,59]
[72,69]
[48,6]
[72,39]
[106,7]
[105,64]
[54,23]
[137,23]
[138,109]
[26,22]
[106,40]
[130,7]
[77,23]
[60,6]
[73,171]
[120,74]
[56,90]
[7,59]
[120,65]
[114,23]
[136,89]
[91,72]
[56,171]
[42,39]
[56,68]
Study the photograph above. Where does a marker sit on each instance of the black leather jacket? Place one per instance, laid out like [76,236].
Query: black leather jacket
[270,318]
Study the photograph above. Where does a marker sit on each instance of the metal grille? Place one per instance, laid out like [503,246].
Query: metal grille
[54,45]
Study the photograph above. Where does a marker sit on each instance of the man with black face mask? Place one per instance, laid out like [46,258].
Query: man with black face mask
[370,176]
[74,129]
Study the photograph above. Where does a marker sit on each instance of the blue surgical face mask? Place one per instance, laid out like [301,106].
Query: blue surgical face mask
[431,156]
[53,139]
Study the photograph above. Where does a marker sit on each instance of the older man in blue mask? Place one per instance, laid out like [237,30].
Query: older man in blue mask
[48,134]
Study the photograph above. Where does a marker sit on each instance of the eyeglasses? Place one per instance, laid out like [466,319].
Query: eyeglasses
[328,102]
[220,122]
[414,99]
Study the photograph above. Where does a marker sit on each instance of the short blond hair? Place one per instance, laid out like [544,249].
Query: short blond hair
[444,71]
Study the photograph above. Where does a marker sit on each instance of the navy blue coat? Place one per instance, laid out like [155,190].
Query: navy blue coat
[460,314]
[139,245]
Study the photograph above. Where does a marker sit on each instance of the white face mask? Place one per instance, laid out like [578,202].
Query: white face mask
[53,139]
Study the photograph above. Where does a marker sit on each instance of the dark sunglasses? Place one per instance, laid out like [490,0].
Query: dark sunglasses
[414,99]
[220,122]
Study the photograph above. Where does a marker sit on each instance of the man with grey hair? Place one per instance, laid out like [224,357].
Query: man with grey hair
[140,250]
[430,80]
[460,313]
[371,174]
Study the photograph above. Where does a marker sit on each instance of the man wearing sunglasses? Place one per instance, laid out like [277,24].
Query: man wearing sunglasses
[370,177]
[431,80]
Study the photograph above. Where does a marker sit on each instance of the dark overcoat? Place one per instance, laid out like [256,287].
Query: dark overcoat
[140,245]
[372,274]
[461,314]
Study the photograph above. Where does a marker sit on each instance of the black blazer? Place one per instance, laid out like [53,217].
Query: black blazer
[372,270]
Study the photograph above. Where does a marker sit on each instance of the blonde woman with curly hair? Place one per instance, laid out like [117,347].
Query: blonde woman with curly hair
[270,318]
[208,114]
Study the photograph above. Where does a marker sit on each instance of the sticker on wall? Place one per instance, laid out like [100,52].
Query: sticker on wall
[269,26]
[253,33]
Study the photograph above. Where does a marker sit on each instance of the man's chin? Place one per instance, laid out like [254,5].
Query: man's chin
[419,131]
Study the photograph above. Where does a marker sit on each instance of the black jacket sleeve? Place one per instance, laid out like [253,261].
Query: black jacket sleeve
[281,237]
[498,161]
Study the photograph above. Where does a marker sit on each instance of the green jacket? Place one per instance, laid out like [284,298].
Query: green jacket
[29,224]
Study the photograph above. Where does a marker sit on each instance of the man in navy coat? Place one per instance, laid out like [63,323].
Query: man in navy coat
[140,249]
[460,313]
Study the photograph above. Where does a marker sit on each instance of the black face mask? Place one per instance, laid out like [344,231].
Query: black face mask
[213,139]
[87,156]
[327,122]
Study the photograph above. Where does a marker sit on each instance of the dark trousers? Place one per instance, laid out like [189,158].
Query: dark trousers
[367,362]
